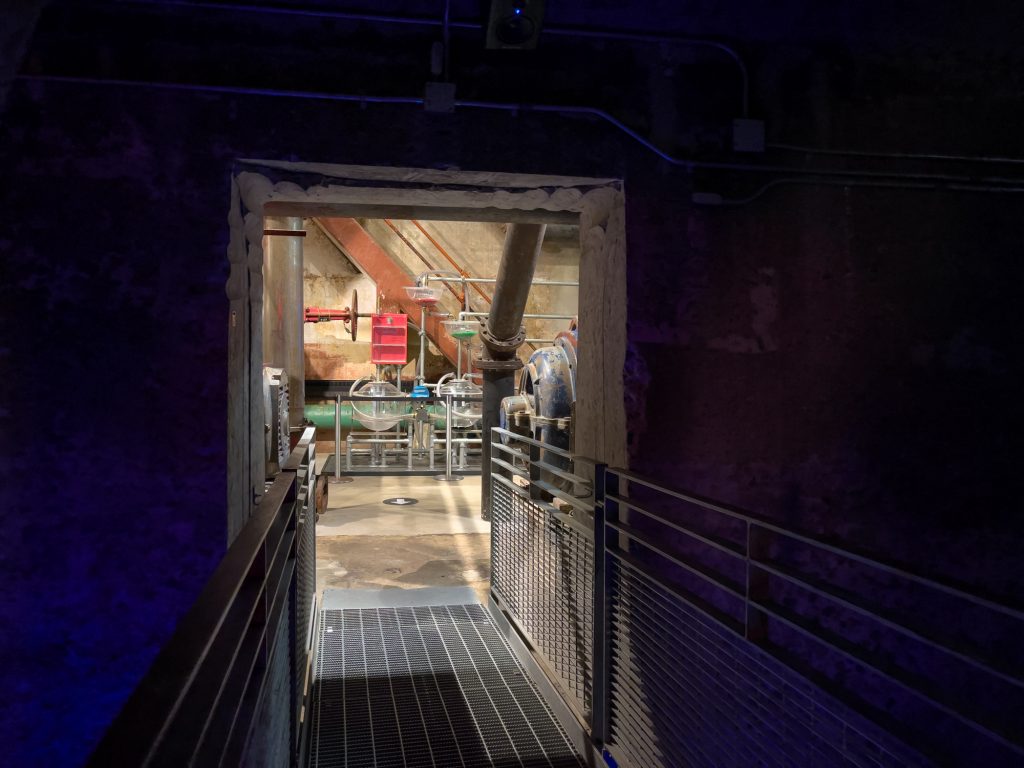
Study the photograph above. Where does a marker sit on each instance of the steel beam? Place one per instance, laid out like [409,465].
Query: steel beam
[390,278]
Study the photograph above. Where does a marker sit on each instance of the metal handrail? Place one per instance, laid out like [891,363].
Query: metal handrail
[535,443]
[949,589]
[198,701]
[534,466]
[725,573]
[758,608]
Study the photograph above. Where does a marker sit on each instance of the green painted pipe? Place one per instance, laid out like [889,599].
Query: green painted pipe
[322,416]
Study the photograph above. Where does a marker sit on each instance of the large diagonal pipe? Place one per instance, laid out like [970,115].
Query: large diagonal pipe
[503,333]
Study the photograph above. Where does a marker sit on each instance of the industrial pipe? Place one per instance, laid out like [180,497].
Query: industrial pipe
[283,306]
[502,334]
[322,416]
[503,330]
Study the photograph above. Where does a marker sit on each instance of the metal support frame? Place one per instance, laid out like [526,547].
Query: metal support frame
[380,441]
[201,700]
[448,477]
[633,534]
[602,591]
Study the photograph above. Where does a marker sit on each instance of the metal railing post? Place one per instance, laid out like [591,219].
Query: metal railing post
[448,437]
[534,451]
[604,482]
[337,438]
[448,476]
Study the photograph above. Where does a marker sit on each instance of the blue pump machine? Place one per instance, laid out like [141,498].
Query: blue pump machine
[543,407]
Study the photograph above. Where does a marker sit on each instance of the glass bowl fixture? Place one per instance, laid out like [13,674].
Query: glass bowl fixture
[424,295]
[462,329]
[377,416]
[465,413]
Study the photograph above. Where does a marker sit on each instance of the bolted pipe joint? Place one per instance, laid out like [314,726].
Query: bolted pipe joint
[501,351]
[503,331]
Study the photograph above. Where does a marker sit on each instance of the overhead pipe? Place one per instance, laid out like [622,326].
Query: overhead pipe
[446,23]
[993,185]
[503,330]
[503,333]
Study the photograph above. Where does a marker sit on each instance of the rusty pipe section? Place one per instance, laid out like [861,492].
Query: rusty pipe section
[503,330]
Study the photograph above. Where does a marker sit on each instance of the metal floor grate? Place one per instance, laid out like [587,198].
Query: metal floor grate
[433,686]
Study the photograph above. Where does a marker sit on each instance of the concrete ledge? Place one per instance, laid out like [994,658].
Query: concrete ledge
[336,599]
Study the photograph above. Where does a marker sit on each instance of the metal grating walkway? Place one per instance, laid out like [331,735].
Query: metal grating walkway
[434,686]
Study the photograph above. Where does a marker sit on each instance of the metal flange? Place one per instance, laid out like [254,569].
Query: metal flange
[502,347]
[484,364]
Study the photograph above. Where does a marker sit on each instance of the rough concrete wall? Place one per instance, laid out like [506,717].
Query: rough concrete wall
[330,278]
[112,485]
[19,20]
[113,479]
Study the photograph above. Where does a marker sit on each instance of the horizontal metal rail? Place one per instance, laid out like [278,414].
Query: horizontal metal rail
[535,281]
[757,564]
[949,589]
[528,316]
[585,529]
[199,700]
[460,398]
[742,575]
[500,431]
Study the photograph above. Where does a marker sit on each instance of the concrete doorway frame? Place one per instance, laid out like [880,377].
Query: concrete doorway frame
[262,188]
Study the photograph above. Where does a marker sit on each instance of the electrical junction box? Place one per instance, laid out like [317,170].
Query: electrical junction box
[389,339]
[747,135]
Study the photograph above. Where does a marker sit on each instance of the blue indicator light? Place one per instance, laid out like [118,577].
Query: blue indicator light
[518,11]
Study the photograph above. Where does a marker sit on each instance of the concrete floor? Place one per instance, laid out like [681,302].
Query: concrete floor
[438,542]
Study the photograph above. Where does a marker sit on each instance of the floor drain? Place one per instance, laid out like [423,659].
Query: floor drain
[400,501]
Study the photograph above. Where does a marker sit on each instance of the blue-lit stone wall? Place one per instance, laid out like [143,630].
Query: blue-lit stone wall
[843,360]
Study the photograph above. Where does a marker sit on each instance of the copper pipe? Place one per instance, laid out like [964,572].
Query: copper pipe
[461,298]
[458,268]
